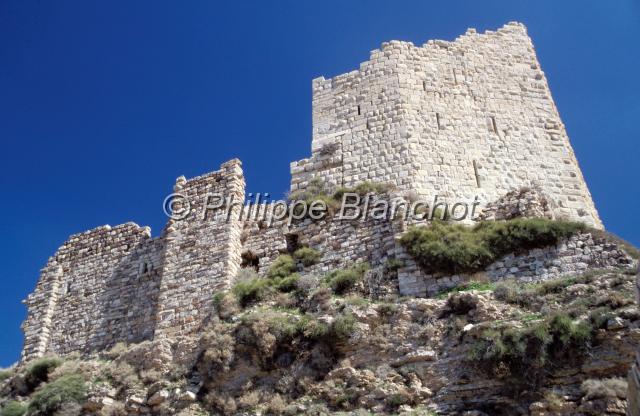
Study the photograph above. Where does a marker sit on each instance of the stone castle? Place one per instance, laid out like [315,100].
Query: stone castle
[472,117]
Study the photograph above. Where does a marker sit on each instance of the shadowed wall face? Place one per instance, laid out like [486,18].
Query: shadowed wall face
[118,284]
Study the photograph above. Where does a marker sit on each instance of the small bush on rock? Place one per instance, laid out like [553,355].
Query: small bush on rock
[282,266]
[13,408]
[38,371]
[52,396]
[307,256]
[343,326]
[362,189]
[532,349]
[341,281]
[121,374]
[225,304]
[604,389]
[251,291]
[218,350]
[5,374]
[466,287]
[287,284]
[316,190]
[461,303]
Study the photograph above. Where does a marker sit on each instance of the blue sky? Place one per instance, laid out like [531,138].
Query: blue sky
[104,104]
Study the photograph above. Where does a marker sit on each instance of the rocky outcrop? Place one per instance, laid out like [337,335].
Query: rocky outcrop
[347,353]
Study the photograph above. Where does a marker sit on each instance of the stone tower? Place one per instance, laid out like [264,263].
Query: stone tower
[472,117]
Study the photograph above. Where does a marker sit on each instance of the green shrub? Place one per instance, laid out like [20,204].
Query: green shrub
[393,265]
[396,400]
[51,397]
[38,370]
[467,286]
[454,248]
[554,285]
[529,352]
[286,326]
[343,326]
[251,290]
[600,316]
[387,309]
[287,284]
[282,266]
[343,280]
[314,329]
[307,256]
[5,374]
[515,294]
[525,233]
[362,189]
[316,190]
[448,248]
[461,303]
[13,408]
[225,304]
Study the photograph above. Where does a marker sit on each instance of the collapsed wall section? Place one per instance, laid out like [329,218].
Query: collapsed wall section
[117,284]
[99,288]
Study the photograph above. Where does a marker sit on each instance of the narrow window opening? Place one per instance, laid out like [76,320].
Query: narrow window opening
[292,242]
[438,121]
[424,85]
[359,113]
[491,124]
[250,260]
[67,288]
[475,172]
[455,77]
[144,268]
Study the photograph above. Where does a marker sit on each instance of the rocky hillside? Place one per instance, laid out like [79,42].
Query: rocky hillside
[314,346]
[293,342]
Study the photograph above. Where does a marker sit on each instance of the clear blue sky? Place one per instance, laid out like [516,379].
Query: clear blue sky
[104,104]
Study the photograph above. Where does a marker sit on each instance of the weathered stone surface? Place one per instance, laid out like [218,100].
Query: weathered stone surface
[471,117]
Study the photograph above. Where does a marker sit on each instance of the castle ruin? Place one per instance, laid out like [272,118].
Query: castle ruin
[472,117]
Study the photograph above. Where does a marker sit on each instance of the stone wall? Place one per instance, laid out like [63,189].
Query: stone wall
[115,284]
[520,203]
[472,117]
[569,257]
[100,286]
[340,242]
[202,255]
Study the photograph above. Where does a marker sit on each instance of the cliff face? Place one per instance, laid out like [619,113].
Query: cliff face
[561,347]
